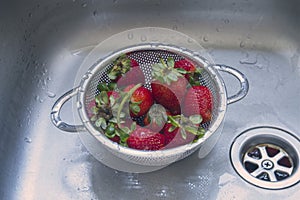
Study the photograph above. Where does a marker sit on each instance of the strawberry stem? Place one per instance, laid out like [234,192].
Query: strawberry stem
[163,62]
[173,121]
[126,97]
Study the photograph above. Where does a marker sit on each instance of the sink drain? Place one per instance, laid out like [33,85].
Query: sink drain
[267,157]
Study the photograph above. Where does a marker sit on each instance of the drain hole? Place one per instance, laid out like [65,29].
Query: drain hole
[254,153]
[281,175]
[250,167]
[267,157]
[285,161]
[272,151]
[264,176]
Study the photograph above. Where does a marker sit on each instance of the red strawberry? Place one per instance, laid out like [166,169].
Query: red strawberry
[115,94]
[134,76]
[198,101]
[169,85]
[145,139]
[116,139]
[170,96]
[174,137]
[141,101]
[90,107]
[179,88]
[188,66]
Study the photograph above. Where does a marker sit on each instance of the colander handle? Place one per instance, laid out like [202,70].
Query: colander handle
[55,113]
[244,84]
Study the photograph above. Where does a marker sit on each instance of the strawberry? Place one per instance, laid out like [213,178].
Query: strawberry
[126,71]
[198,101]
[145,139]
[141,101]
[169,85]
[186,65]
[134,76]
[180,130]
[115,94]
[174,137]
[90,108]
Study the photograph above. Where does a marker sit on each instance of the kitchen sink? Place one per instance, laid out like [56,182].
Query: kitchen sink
[42,47]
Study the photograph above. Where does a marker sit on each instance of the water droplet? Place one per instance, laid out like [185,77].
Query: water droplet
[30,14]
[248,60]
[115,1]
[84,188]
[143,38]
[190,40]
[205,39]
[130,36]
[242,44]
[218,29]
[83,5]
[226,21]
[50,94]
[37,97]
[95,13]
[49,78]
[44,82]
[175,28]
[27,140]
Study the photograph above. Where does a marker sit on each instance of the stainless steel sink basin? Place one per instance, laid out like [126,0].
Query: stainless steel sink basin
[42,45]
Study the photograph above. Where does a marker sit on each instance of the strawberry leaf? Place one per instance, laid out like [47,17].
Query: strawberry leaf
[172,128]
[95,110]
[133,126]
[110,130]
[123,133]
[103,98]
[201,132]
[112,75]
[102,87]
[183,133]
[172,76]
[195,119]
[101,122]
[170,62]
[158,67]
[112,86]
[113,120]
[192,130]
[181,71]
[94,118]
[135,108]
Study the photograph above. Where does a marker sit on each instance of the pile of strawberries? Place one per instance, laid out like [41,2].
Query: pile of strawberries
[165,113]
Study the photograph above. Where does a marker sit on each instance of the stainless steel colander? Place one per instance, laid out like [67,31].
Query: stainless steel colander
[147,55]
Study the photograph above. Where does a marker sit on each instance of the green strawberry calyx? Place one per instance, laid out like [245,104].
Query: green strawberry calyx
[120,66]
[108,114]
[190,124]
[165,71]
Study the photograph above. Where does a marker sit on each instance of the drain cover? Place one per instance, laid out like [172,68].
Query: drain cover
[267,157]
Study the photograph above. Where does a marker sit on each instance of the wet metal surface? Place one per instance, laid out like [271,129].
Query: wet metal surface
[42,45]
